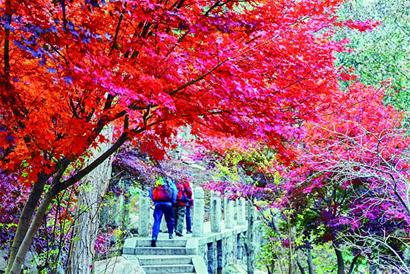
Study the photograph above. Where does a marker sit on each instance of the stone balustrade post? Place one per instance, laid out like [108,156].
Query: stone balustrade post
[224,206]
[215,212]
[243,209]
[199,212]
[251,236]
[236,208]
[241,213]
[144,228]
[229,214]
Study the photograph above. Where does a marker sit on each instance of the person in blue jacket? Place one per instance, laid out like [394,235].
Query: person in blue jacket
[164,195]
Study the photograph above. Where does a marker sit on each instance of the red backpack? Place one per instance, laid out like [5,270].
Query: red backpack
[182,193]
[162,194]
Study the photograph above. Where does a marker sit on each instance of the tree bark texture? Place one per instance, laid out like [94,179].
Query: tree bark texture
[28,239]
[25,219]
[57,187]
[93,188]
[340,261]
[309,259]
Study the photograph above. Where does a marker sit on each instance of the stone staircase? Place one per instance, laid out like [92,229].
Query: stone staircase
[169,256]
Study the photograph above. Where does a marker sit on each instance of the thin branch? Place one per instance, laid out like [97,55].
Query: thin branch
[353,264]
[82,173]
[302,271]
[199,78]
[117,30]
[147,115]
[7,40]
[215,5]
[62,3]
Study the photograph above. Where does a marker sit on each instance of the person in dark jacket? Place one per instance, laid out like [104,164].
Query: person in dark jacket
[164,195]
[188,218]
[183,197]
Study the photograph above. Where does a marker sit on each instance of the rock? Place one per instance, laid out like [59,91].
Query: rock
[239,269]
[118,265]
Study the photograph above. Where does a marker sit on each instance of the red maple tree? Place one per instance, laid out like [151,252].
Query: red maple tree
[250,69]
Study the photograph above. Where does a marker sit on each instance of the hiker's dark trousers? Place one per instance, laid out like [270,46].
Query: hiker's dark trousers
[166,210]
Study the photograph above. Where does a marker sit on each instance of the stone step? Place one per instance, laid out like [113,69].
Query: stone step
[160,251]
[162,243]
[168,268]
[164,260]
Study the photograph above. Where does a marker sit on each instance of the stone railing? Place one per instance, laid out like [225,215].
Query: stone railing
[226,215]
[222,240]
[223,243]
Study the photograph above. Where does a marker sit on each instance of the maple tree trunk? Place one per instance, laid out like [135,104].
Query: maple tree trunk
[309,259]
[25,218]
[92,190]
[56,188]
[28,239]
[86,227]
[340,261]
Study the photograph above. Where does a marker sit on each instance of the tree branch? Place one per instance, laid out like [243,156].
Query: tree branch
[82,173]
[7,40]
[62,3]
[353,264]
[302,271]
[25,217]
[117,30]
[28,239]
[199,78]
[216,4]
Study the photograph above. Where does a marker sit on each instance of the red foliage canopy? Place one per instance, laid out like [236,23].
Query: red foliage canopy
[251,69]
